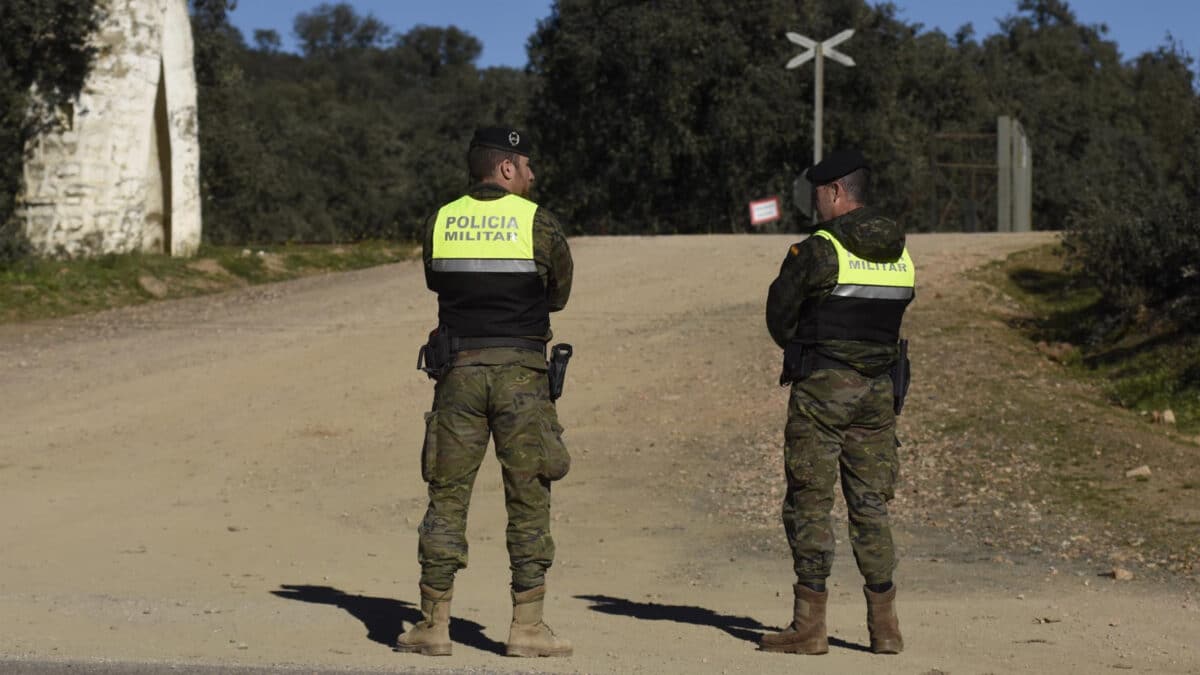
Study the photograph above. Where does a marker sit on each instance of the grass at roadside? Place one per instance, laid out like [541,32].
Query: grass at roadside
[40,289]
[1054,444]
[1152,366]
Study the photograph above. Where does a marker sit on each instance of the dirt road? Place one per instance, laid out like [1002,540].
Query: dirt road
[234,481]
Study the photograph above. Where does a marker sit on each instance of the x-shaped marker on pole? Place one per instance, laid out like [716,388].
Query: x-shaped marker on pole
[819,51]
[826,47]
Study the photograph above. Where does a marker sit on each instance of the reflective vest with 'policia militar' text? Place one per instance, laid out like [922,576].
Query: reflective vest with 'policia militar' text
[483,269]
[867,304]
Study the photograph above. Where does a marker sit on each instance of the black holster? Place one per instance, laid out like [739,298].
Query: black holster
[556,368]
[434,356]
[901,372]
[797,363]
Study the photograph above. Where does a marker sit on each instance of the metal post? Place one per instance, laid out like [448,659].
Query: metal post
[819,104]
[1023,181]
[1004,174]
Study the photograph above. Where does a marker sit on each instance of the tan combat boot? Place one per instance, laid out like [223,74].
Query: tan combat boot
[431,635]
[529,635]
[806,634]
[882,622]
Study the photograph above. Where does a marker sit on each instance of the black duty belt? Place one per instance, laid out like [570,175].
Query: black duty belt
[819,362]
[459,344]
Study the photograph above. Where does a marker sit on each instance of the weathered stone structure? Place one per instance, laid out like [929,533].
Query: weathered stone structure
[123,175]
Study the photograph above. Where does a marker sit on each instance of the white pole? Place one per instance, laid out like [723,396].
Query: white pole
[818,104]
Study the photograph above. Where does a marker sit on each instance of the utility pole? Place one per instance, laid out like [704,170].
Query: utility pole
[819,50]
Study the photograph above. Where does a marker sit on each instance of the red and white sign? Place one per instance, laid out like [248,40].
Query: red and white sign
[764,211]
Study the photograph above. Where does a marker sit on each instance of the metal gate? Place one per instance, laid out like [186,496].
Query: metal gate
[982,182]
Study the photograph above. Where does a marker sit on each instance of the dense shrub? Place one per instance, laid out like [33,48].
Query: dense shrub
[1146,263]
[1138,235]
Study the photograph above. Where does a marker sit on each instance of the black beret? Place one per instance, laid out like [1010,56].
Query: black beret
[502,138]
[837,164]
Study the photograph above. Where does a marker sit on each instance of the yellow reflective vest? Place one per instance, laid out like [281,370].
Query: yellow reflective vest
[866,304]
[483,268]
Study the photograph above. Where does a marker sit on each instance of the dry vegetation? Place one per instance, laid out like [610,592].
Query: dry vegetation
[1008,455]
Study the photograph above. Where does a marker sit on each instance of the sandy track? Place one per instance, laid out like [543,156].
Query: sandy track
[234,481]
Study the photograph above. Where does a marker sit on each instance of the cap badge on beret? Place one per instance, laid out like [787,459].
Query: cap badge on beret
[514,139]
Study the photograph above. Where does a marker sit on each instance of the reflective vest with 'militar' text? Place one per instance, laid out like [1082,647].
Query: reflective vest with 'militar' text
[868,302]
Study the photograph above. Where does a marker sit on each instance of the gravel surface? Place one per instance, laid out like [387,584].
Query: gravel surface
[233,482]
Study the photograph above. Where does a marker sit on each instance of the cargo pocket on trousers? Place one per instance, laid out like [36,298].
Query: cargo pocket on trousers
[429,448]
[556,461]
[799,453]
[893,471]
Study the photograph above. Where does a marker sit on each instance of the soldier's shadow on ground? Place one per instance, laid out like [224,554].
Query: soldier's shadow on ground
[740,627]
[384,618]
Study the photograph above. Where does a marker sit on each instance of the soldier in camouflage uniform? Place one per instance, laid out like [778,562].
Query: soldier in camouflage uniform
[499,264]
[836,308]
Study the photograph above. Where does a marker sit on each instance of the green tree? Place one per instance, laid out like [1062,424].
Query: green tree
[1167,106]
[230,151]
[1138,235]
[684,105]
[1066,83]
[331,29]
[267,41]
[359,136]
[688,106]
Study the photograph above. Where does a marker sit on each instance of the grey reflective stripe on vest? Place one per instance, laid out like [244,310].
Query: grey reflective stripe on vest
[482,265]
[873,292]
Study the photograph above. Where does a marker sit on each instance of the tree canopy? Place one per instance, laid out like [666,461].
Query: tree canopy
[683,105]
[687,105]
[357,137]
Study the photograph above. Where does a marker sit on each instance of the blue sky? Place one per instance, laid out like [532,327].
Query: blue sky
[504,27]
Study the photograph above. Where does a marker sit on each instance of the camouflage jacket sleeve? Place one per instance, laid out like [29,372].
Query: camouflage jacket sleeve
[427,249]
[553,258]
[809,270]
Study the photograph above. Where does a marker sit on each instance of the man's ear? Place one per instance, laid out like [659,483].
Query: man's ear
[507,170]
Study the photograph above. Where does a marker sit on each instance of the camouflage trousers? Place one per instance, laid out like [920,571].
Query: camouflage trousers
[840,423]
[512,404]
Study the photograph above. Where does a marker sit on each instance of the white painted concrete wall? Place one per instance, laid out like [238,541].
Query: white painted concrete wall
[114,181]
